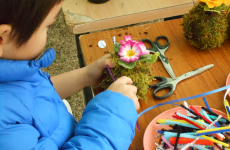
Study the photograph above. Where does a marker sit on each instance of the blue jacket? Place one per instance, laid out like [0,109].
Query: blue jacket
[33,116]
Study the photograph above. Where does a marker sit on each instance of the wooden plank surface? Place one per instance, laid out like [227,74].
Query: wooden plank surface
[182,57]
[82,16]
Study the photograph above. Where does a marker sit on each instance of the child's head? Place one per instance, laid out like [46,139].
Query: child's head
[24,25]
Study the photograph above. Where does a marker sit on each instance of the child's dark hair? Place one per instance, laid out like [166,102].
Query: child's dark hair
[25,16]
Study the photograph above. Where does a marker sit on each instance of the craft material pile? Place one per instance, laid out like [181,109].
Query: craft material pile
[202,130]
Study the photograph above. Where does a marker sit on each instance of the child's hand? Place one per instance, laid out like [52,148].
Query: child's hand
[95,70]
[124,86]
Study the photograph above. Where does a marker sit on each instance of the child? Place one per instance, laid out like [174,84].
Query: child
[32,114]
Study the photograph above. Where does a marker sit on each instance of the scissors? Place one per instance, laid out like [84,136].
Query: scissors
[169,83]
[157,47]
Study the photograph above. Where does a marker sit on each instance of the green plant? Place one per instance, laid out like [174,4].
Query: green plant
[139,71]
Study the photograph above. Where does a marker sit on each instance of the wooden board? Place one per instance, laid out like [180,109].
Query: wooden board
[182,57]
[82,16]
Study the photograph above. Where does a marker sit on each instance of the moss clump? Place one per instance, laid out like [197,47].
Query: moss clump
[205,30]
[141,75]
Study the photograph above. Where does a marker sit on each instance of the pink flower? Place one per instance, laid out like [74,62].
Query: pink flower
[130,51]
[141,45]
[143,48]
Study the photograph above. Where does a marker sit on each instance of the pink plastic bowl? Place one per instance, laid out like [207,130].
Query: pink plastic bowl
[151,131]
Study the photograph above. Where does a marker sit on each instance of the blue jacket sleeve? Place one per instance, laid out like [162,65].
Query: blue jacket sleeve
[108,123]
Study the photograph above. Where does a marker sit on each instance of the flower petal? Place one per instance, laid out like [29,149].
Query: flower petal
[132,59]
[143,48]
[127,38]
[137,49]
[123,53]
[131,43]
[126,59]
[210,5]
[226,2]
[129,59]
[124,48]
[146,52]
[122,42]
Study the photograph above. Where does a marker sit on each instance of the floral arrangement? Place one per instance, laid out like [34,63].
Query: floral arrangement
[206,24]
[131,59]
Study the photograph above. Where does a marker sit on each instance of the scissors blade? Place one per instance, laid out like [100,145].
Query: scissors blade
[194,72]
[167,66]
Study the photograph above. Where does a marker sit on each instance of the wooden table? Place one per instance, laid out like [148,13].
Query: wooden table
[82,16]
[182,57]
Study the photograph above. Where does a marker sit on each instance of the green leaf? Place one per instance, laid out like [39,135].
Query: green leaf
[129,65]
[206,8]
[116,47]
[215,9]
[220,8]
[150,58]
[145,56]
[226,8]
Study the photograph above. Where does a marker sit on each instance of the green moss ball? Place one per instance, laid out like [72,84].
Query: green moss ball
[205,30]
[141,76]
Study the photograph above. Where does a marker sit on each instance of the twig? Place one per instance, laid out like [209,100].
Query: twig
[147,27]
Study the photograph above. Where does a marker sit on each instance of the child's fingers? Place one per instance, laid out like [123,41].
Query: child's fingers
[133,89]
[105,60]
[137,105]
[136,102]
[125,80]
[106,56]
[124,86]
[110,63]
